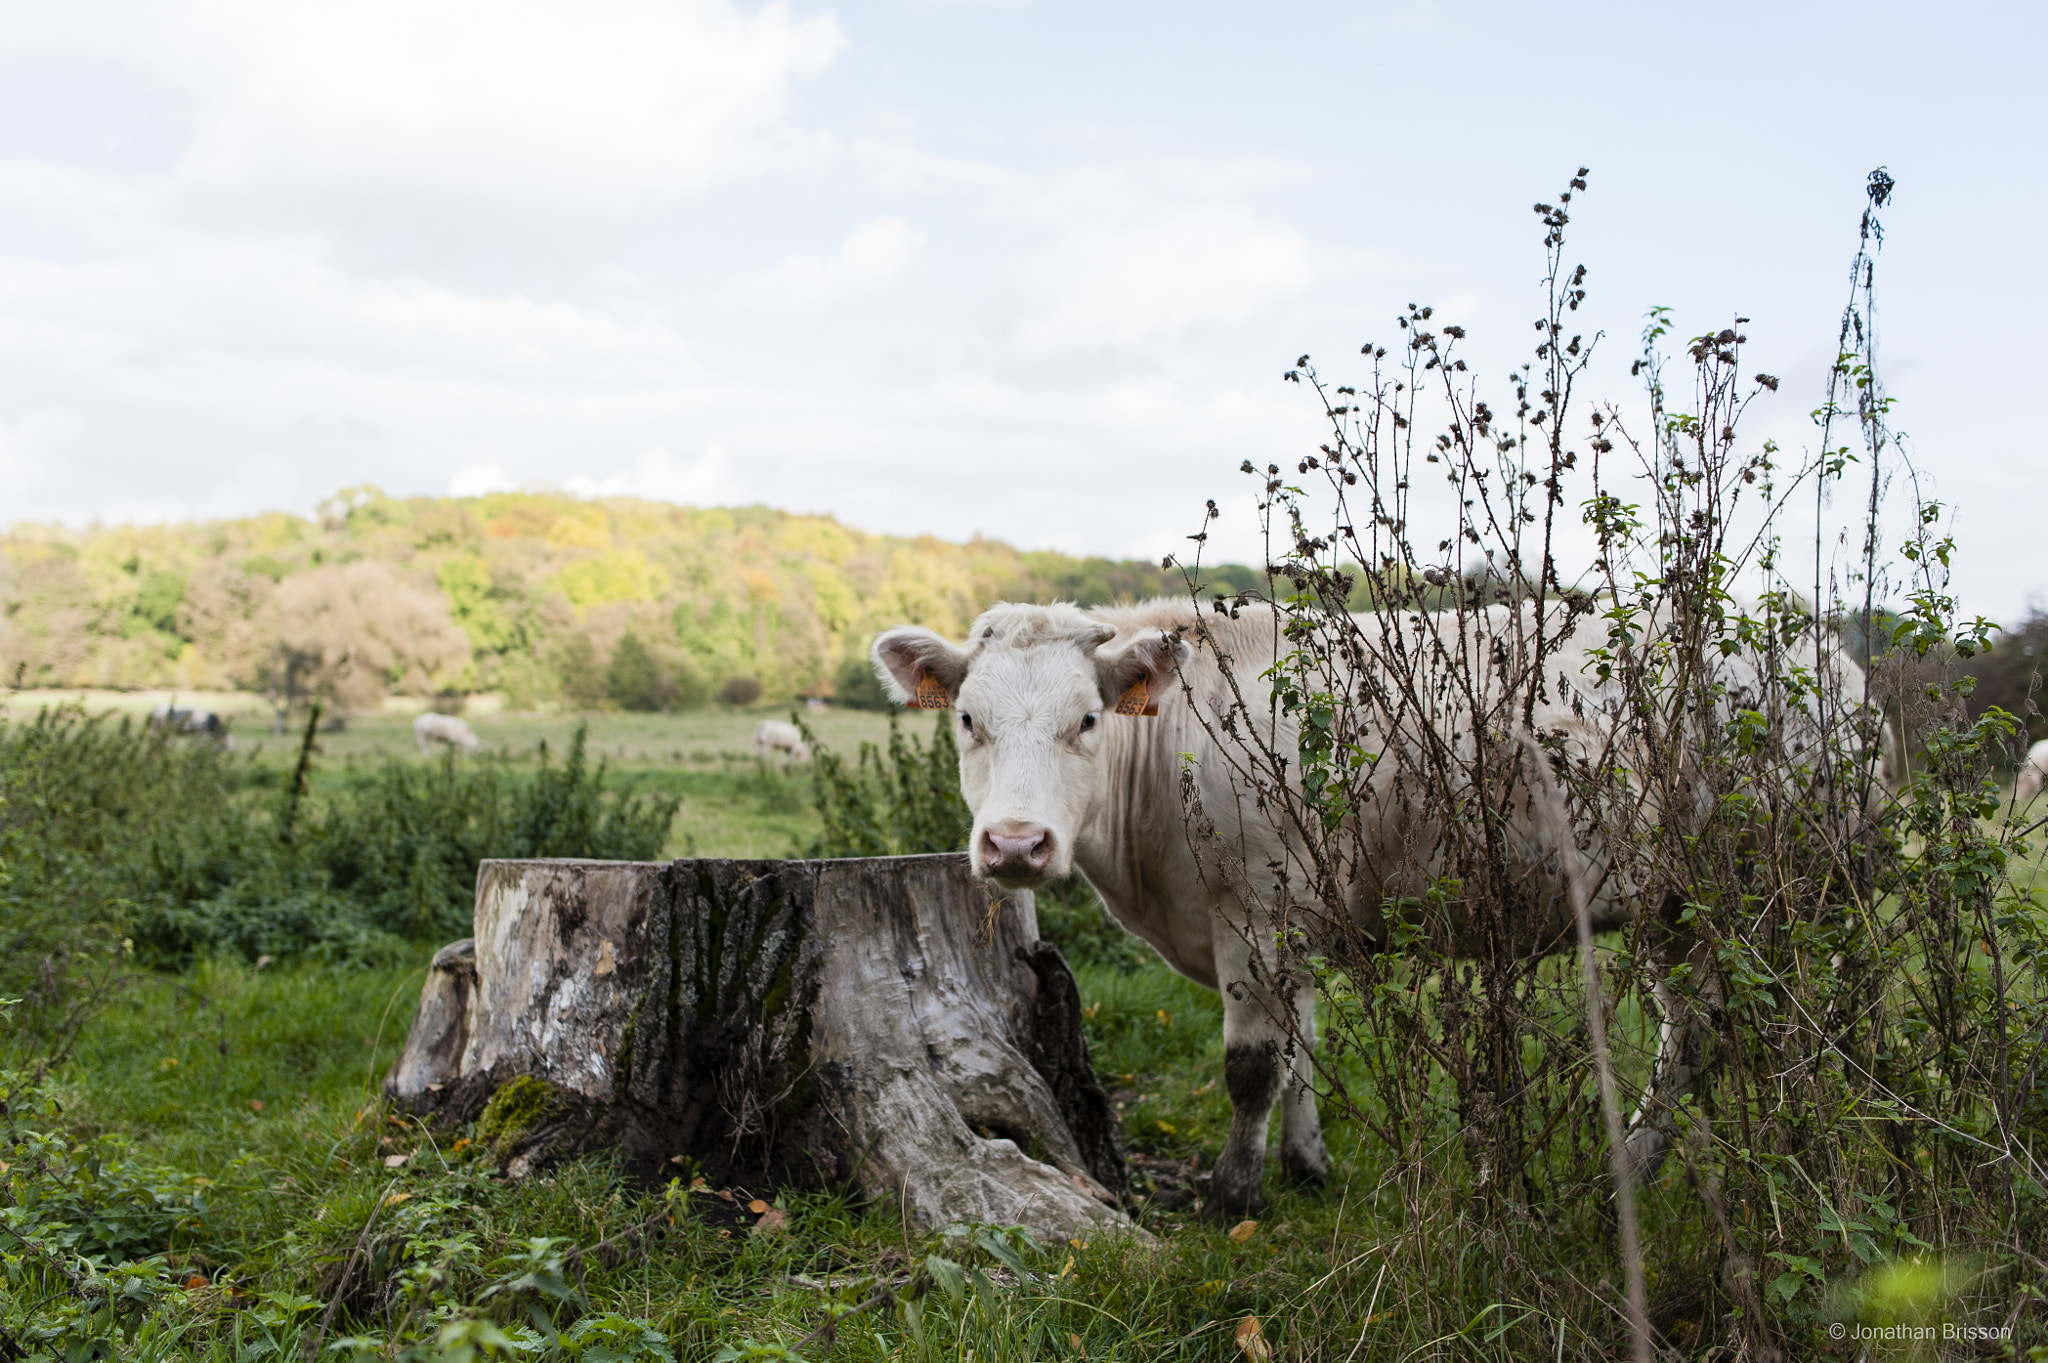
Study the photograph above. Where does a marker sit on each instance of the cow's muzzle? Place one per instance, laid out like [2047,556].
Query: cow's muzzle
[1017,855]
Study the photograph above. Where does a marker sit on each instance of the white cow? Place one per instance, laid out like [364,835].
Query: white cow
[774,736]
[1062,771]
[2033,775]
[431,728]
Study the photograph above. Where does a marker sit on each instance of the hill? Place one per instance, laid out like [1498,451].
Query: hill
[544,598]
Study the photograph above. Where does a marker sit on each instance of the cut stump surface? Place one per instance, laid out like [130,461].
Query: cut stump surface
[888,1023]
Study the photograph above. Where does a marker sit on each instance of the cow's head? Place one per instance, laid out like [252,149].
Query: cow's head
[1033,692]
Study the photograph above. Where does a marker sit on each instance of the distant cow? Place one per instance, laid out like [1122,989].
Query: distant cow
[1062,772]
[773,737]
[431,728]
[2033,774]
[204,723]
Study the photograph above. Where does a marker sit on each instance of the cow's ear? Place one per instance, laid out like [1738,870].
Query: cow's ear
[918,668]
[1136,677]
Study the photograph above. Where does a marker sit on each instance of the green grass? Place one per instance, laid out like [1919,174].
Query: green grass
[705,756]
[255,1093]
[262,1085]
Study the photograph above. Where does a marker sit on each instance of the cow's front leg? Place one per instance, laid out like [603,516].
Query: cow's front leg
[1268,1024]
[1254,1070]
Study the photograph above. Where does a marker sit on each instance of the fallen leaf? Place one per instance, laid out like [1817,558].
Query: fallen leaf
[1091,1010]
[1167,1127]
[195,1282]
[1075,1340]
[462,1143]
[396,1198]
[255,1104]
[1203,1089]
[757,1206]
[1241,1232]
[395,1161]
[725,1194]
[1251,1341]
[1165,1018]
[698,1185]
[772,1222]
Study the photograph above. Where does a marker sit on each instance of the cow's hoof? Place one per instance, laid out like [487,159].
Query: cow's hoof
[1233,1196]
[1220,1211]
[1307,1168]
[1644,1152]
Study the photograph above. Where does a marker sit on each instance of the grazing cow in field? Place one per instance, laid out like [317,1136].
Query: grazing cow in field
[774,737]
[2033,774]
[1063,770]
[204,723]
[431,728]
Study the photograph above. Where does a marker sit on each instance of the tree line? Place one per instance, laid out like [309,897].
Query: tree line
[544,598]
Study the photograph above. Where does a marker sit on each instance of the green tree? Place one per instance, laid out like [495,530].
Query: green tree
[635,681]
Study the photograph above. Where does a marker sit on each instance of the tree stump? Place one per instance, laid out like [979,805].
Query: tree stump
[888,1023]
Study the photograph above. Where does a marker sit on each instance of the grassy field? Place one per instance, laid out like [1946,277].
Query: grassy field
[705,757]
[233,1112]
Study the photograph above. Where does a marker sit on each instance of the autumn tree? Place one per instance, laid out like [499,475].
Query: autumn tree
[350,632]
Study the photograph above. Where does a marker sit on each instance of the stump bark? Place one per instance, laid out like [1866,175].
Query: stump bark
[886,1023]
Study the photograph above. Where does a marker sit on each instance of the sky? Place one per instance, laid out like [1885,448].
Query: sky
[1028,270]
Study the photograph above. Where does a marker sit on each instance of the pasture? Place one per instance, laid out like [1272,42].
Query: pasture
[703,757]
[215,1145]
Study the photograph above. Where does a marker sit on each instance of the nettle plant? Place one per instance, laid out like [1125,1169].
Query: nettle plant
[1492,614]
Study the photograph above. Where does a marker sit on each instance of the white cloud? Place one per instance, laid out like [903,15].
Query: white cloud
[872,254]
[655,475]
[507,113]
[35,444]
[1127,288]
[179,301]
[474,480]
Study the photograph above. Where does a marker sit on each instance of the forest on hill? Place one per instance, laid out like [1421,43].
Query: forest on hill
[540,597]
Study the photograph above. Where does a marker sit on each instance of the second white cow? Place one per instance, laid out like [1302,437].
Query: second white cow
[774,737]
[2033,775]
[432,728]
[1063,770]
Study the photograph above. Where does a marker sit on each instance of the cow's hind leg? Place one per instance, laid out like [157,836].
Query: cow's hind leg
[1301,1127]
[1683,1037]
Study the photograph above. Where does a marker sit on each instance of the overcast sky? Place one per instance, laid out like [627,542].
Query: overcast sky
[1031,270]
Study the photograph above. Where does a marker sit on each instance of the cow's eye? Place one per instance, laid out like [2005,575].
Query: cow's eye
[1088,722]
[967,721]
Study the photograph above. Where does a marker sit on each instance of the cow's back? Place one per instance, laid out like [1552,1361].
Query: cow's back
[1168,770]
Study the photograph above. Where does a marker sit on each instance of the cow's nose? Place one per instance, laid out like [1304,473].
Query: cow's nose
[1016,850]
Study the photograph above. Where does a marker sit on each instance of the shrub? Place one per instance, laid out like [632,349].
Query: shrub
[902,802]
[115,839]
[634,680]
[856,687]
[1866,972]
[584,682]
[739,691]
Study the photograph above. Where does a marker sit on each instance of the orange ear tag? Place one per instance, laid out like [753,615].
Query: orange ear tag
[1138,700]
[930,695]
